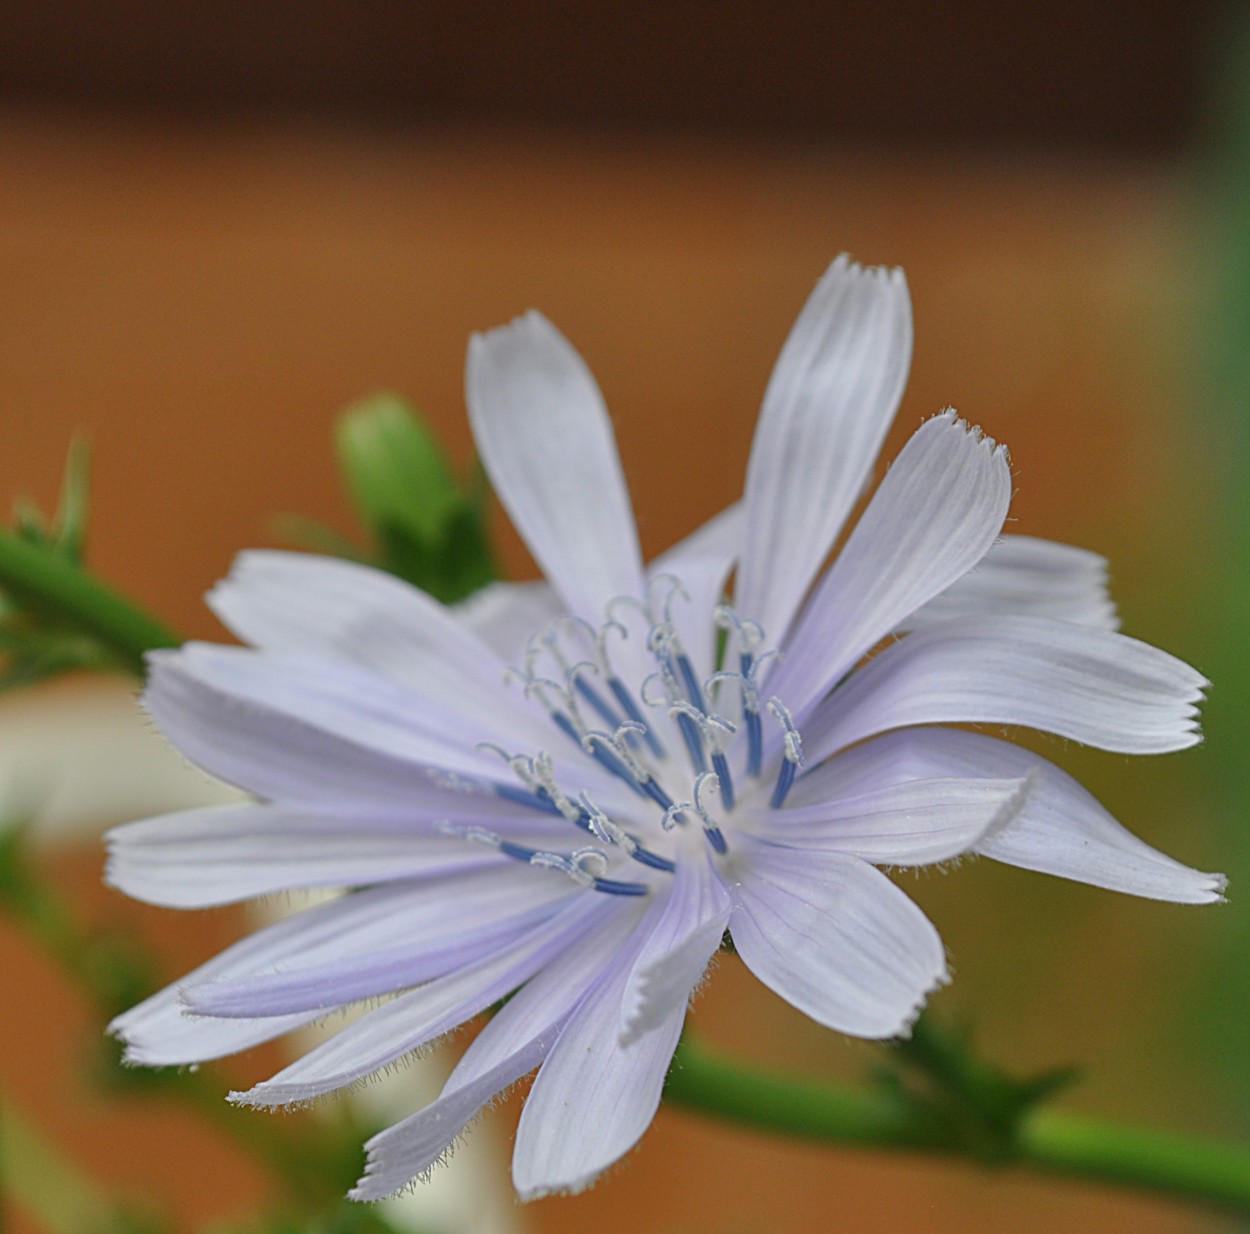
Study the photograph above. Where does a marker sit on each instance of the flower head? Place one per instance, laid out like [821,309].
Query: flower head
[564,794]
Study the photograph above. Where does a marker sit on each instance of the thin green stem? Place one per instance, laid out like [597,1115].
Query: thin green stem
[52,582]
[1069,1145]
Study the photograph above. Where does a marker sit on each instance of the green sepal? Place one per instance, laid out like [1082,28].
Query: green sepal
[427,526]
[975,1104]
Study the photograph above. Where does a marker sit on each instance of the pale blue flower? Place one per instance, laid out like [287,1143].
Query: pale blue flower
[567,792]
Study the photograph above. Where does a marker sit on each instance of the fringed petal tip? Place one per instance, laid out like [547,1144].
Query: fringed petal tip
[975,431]
[1217,884]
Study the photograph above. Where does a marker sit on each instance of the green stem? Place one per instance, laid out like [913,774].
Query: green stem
[1047,1141]
[53,582]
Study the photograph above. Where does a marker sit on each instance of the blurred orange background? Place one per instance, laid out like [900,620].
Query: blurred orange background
[202,295]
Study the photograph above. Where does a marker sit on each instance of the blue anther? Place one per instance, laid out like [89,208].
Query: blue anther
[611,762]
[598,702]
[615,888]
[755,742]
[537,799]
[518,852]
[654,860]
[716,839]
[720,765]
[755,726]
[694,742]
[630,708]
[657,794]
[693,690]
[785,779]
[566,726]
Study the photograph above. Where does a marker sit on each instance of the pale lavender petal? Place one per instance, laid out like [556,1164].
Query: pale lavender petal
[1062,829]
[1031,577]
[593,1096]
[912,823]
[834,937]
[676,954]
[935,515]
[426,929]
[299,603]
[158,1033]
[514,1042]
[422,1015]
[308,733]
[1093,686]
[828,406]
[224,854]
[506,616]
[547,444]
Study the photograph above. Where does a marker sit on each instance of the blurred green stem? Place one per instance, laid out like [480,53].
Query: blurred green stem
[55,584]
[1044,1140]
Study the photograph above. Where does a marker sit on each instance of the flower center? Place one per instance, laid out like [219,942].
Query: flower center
[678,742]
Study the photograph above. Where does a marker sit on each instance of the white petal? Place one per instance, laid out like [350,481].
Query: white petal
[935,515]
[828,406]
[506,616]
[298,603]
[675,956]
[1090,685]
[307,731]
[908,824]
[514,1042]
[224,854]
[593,1097]
[1062,829]
[547,444]
[1034,578]
[834,937]
[416,1018]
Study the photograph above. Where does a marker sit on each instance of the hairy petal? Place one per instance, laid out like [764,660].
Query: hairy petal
[547,444]
[596,1094]
[1090,685]
[936,514]
[422,1015]
[515,1041]
[828,406]
[834,937]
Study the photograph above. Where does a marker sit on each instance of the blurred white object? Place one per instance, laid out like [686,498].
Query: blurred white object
[78,755]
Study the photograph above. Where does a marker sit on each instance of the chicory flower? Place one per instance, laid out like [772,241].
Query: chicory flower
[565,794]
